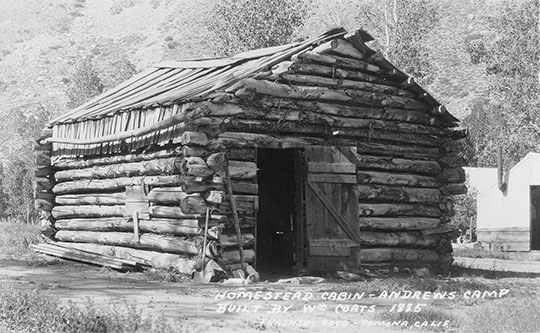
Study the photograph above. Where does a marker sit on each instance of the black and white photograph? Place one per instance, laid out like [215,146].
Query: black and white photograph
[269,166]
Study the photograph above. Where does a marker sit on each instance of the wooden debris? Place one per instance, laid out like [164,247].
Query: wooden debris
[87,257]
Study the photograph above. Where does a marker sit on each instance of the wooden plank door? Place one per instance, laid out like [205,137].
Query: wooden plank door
[331,207]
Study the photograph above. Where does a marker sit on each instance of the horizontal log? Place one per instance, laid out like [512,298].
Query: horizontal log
[453,146]
[146,241]
[175,212]
[399,223]
[341,47]
[454,189]
[399,194]
[454,175]
[42,204]
[106,199]
[308,80]
[338,62]
[310,117]
[193,204]
[156,259]
[250,86]
[95,224]
[44,180]
[228,240]
[101,185]
[42,147]
[129,158]
[452,160]
[43,186]
[188,227]
[165,166]
[242,170]
[294,127]
[447,205]
[386,178]
[194,151]
[233,256]
[177,227]
[397,239]
[398,255]
[347,111]
[395,150]
[67,212]
[172,212]
[194,166]
[192,185]
[246,154]
[167,195]
[243,207]
[45,195]
[250,140]
[325,69]
[194,139]
[398,209]
[398,164]
[216,161]
[282,113]
[42,160]
[445,230]
[43,172]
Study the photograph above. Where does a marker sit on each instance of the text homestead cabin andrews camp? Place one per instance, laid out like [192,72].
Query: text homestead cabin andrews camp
[335,158]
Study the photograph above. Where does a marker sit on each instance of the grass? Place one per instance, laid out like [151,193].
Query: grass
[494,254]
[479,253]
[509,315]
[30,310]
[15,238]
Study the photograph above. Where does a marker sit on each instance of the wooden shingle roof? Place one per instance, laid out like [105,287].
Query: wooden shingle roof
[183,81]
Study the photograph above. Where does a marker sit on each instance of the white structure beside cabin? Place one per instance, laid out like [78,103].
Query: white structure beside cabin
[509,220]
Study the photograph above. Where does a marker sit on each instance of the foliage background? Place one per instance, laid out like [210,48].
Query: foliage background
[479,58]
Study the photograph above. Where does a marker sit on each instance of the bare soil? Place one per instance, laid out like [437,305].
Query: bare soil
[199,306]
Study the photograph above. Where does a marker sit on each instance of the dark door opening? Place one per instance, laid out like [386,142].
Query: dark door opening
[535,218]
[278,213]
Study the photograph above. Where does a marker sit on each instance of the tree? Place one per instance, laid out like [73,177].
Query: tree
[465,217]
[84,83]
[511,58]
[242,25]
[399,27]
[23,124]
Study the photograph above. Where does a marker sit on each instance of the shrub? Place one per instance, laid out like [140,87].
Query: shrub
[32,310]
[15,237]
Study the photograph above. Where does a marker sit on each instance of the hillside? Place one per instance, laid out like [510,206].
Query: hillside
[40,41]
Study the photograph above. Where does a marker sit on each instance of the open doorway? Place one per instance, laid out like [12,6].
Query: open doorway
[535,218]
[278,215]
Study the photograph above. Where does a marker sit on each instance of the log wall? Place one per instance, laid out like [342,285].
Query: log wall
[86,202]
[408,163]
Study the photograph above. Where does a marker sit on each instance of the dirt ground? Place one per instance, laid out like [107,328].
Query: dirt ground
[207,308]
[196,303]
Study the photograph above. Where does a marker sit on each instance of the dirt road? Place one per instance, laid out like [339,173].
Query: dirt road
[207,308]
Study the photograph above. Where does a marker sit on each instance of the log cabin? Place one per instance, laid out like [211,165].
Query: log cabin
[314,156]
